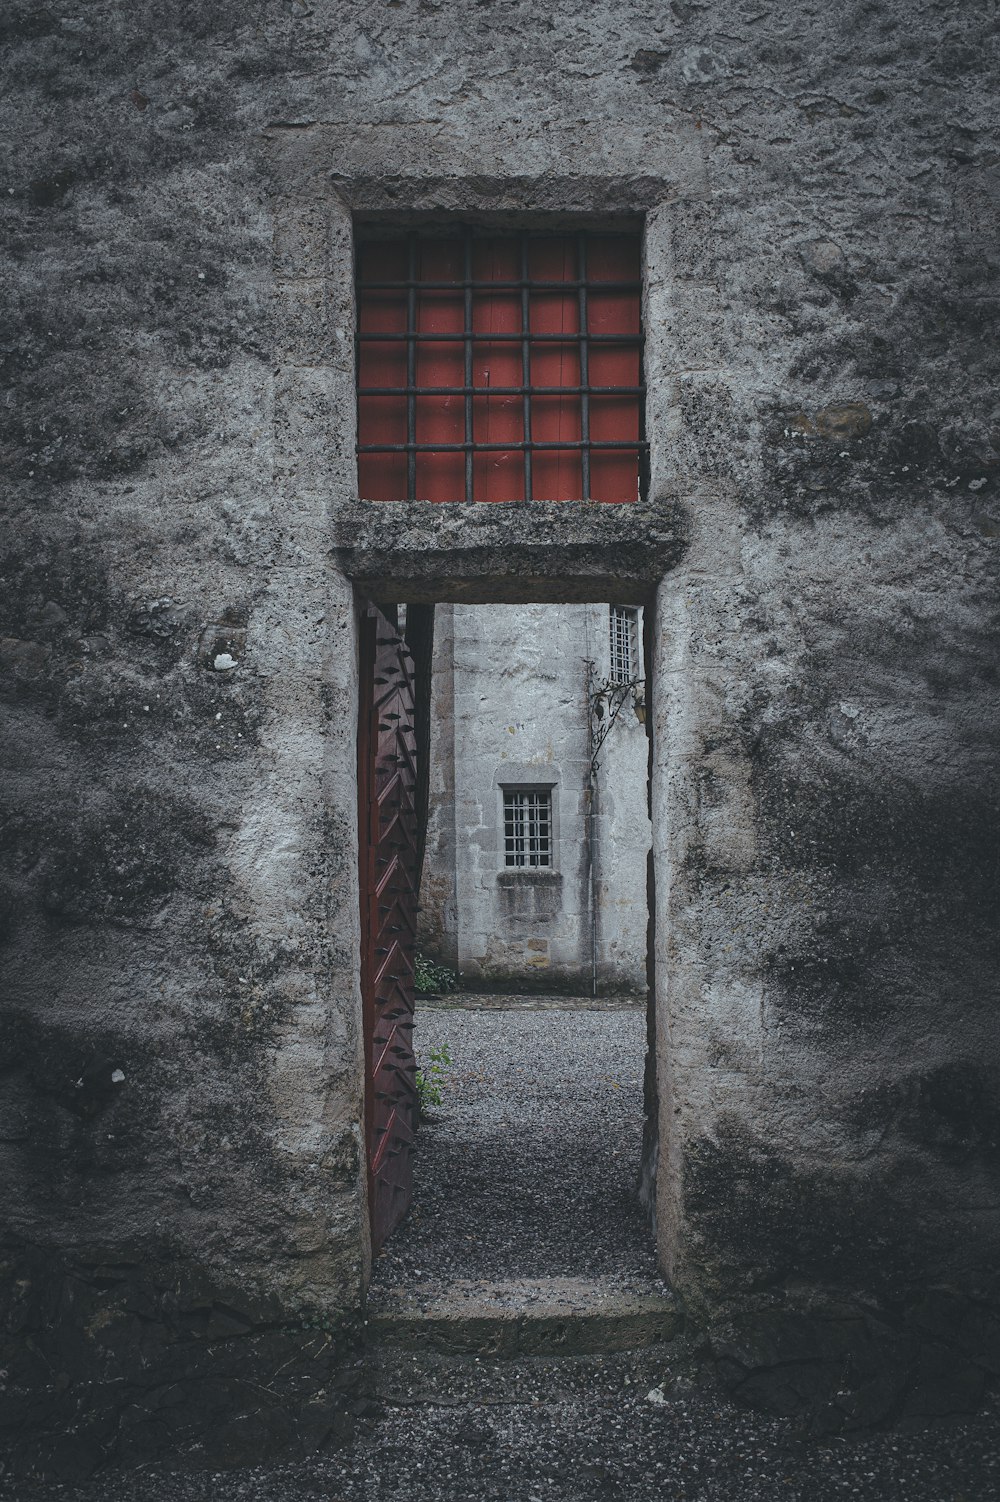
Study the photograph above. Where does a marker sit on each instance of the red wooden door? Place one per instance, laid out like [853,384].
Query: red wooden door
[389,883]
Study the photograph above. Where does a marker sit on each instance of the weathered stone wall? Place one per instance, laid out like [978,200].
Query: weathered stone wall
[511,707]
[179,838]
[521,720]
[181,1098]
[621,824]
[826,683]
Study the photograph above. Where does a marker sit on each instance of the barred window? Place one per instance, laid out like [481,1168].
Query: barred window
[527,826]
[623,644]
[499,367]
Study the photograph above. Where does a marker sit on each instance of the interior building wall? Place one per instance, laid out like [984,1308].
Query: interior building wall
[621,827]
[513,692]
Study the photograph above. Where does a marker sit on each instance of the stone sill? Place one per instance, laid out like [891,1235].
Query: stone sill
[517,876]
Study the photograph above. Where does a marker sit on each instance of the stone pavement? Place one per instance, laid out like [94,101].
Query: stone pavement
[621,1429]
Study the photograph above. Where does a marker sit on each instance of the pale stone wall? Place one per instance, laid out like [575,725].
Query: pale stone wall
[520,719]
[513,685]
[621,826]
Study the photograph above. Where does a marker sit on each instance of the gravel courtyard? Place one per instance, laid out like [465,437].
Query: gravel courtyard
[528,1170]
[528,1167]
[607,1444]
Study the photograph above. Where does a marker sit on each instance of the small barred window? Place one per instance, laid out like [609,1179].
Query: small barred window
[527,827]
[623,644]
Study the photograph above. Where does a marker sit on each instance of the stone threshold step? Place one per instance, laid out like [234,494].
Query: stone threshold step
[545,1316]
[466,1001]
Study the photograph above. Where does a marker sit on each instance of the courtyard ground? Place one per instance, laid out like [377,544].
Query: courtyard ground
[526,1174]
[528,1168]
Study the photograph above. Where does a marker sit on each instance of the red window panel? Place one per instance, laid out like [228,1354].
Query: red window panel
[555,309]
[497,371]
[500,367]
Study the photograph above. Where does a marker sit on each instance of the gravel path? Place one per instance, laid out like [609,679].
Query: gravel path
[528,1171]
[610,1444]
[528,1167]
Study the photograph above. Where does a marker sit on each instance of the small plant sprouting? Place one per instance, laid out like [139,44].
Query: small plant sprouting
[430,978]
[431,1079]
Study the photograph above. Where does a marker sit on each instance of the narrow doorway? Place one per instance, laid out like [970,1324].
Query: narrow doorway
[532,924]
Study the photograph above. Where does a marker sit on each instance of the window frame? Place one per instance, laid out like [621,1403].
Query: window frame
[527,790]
[630,613]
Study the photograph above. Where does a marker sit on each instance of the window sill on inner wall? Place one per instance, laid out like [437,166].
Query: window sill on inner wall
[536,876]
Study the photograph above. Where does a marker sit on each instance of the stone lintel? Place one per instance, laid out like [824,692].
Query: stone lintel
[509,552]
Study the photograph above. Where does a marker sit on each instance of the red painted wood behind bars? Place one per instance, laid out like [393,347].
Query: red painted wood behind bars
[497,416]
[381,419]
[440,419]
[498,476]
[614,475]
[556,475]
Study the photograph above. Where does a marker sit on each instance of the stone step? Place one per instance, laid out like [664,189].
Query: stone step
[475,1001]
[545,1316]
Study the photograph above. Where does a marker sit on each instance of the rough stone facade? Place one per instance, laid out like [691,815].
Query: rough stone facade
[182,1055]
[516,693]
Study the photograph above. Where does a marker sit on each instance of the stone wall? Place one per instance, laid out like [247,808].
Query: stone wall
[182,1061]
[621,822]
[512,687]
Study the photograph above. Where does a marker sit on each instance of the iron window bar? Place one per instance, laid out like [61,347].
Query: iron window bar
[470,338]
[506,447]
[501,390]
[581,266]
[411,368]
[502,338]
[480,337]
[467,369]
[621,630]
[508,285]
[527,817]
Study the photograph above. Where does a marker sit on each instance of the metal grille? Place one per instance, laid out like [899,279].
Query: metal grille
[500,367]
[527,823]
[622,623]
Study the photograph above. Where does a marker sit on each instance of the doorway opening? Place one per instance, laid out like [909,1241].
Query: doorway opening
[504,773]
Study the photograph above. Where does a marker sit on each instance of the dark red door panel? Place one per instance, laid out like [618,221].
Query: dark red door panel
[387,779]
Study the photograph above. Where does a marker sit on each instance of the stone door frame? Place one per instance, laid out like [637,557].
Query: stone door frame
[545,552]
